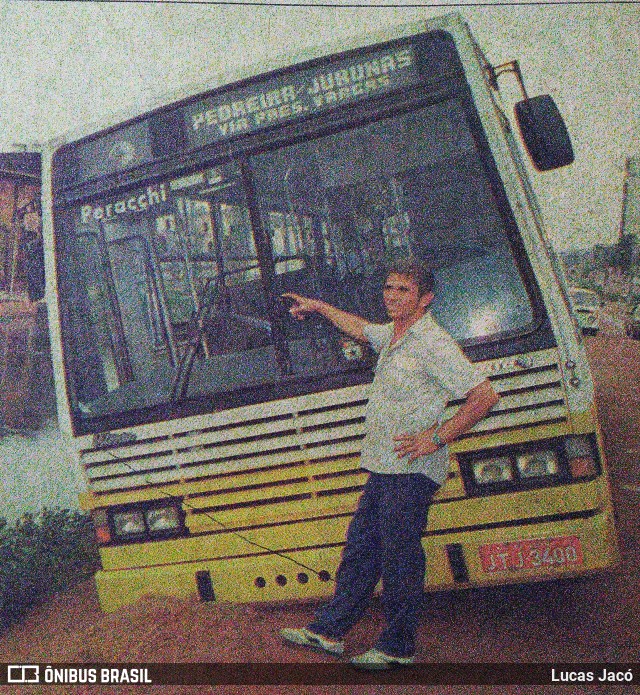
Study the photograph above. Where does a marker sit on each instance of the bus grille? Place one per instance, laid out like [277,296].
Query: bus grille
[282,437]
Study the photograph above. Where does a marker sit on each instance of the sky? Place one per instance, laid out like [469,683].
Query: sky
[66,65]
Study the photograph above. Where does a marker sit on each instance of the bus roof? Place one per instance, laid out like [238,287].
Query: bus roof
[452,22]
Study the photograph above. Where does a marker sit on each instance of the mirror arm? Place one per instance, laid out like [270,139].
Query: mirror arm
[495,71]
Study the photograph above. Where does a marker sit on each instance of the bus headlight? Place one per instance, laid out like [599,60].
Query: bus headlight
[536,464]
[497,469]
[163,519]
[148,521]
[129,524]
[528,466]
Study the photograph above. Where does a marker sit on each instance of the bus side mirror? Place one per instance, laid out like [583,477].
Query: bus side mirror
[544,132]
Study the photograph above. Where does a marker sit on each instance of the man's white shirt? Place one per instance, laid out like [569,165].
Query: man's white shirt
[414,379]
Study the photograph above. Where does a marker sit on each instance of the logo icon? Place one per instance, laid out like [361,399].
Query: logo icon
[23,673]
[122,153]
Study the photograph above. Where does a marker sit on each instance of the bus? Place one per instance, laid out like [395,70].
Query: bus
[219,437]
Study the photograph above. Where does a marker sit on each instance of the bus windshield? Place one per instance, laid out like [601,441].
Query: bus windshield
[180,279]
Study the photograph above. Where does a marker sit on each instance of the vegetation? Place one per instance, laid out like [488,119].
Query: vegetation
[40,555]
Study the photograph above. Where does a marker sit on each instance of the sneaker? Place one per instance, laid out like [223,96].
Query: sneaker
[375,660]
[306,638]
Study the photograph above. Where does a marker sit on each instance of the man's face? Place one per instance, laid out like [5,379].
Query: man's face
[402,298]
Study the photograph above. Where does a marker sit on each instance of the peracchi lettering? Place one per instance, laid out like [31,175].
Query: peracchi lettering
[153,195]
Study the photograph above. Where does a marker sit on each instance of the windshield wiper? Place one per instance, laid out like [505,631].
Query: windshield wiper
[180,384]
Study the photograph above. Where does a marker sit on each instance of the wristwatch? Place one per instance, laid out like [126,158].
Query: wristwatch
[435,438]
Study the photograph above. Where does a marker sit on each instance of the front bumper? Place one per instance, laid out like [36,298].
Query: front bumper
[454,560]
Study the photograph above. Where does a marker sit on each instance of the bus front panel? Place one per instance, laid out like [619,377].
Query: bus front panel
[213,428]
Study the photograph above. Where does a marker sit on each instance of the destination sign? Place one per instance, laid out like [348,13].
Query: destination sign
[302,93]
[236,111]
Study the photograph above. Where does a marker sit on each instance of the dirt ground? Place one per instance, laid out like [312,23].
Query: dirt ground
[72,629]
[585,620]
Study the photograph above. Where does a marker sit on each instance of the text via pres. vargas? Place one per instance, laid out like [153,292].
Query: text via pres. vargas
[301,93]
[603,676]
[105,676]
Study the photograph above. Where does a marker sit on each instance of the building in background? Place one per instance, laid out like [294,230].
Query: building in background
[25,373]
[613,270]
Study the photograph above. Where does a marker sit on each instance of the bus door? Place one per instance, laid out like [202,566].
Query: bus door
[167,299]
[226,278]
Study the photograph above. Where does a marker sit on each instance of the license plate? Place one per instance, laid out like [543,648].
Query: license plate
[532,554]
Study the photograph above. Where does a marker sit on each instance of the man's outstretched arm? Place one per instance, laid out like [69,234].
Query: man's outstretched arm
[348,323]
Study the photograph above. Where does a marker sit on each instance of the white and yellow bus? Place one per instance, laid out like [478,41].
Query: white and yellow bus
[219,437]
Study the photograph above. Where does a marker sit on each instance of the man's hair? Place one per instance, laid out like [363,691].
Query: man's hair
[418,272]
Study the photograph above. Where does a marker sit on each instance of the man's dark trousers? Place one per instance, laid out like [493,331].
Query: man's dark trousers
[383,542]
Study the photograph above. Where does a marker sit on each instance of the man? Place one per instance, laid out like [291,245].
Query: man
[420,368]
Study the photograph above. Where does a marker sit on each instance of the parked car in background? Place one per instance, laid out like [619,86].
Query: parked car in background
[633,324]
[586,307]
